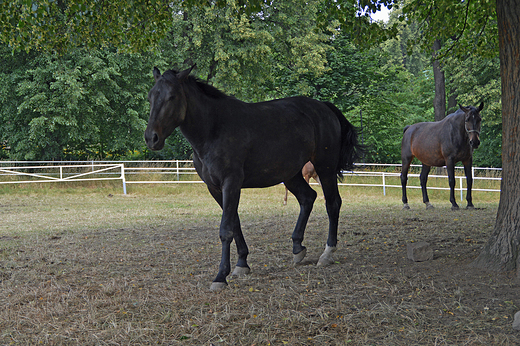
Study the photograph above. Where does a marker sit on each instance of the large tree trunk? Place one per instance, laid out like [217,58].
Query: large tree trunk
[502,250]
[439,101]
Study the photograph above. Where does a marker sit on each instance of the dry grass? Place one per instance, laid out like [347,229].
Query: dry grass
[89,269]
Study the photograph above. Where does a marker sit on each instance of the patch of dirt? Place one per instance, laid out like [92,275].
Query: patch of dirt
[151,285]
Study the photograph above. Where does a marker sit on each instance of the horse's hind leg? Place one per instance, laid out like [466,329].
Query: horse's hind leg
[306,197]
[424,179]
[329,185]
[469,182]
[406,161]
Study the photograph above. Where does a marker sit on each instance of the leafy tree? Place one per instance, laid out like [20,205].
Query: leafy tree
[243,53]
[61,25]
[477,79]
[87,104]
[474,31]
[464,26]
[12,67]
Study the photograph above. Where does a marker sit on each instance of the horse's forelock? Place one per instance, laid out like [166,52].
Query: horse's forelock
[474,111]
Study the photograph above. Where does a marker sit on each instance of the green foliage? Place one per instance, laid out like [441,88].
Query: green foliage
[354,17]
[86,104]
[59,26]
[466,27]
[137,25]
[70,103]
[240,53]
[475,80]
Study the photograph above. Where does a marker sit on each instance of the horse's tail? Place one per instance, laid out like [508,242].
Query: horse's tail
[350,150]
[406,128]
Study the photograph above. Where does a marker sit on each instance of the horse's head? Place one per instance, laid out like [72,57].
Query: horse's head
[167,106]
[472,124]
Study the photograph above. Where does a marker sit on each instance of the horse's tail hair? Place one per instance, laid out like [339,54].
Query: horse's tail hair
[350,150]
[406,128]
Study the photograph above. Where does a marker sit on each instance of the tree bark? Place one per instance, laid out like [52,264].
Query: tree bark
[501,253]
[439,101]
[452,102]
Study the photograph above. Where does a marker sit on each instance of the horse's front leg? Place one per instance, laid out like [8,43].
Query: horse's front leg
[450,166]
[469,182]
[424,179]
[229,230]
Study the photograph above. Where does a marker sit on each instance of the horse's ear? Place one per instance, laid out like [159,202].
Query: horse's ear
[481,106]
[156,73]
[465,109]
[184,74]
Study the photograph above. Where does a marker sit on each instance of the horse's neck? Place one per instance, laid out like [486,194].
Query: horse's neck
[457,119]
[459,125]
[200,121]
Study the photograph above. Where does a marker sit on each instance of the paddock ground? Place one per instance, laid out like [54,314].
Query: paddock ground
[91,266]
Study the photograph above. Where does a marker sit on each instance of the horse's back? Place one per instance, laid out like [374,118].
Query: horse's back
[271,141]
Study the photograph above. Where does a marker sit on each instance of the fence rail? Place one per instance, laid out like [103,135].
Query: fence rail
[62,173]
[183,172]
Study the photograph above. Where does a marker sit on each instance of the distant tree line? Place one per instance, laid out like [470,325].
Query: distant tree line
[91,102]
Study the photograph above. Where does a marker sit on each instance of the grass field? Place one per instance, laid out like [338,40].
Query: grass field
[87,265]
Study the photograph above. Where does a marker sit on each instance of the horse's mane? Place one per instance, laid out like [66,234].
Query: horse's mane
[197,83]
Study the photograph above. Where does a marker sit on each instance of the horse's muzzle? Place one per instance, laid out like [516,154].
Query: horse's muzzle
[474,143]
[153,141]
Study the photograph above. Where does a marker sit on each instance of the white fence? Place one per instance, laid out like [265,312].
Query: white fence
[183,172]
[62,173]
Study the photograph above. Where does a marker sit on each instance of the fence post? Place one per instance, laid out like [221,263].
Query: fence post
[384,186]
[461,197]
[177,164]
[123,177]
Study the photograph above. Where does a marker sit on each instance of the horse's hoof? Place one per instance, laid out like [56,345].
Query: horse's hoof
[429,206]
[326,258]
[297,258]
[217,286]
[470,207]
[239,271]
[454,207]
[406,206]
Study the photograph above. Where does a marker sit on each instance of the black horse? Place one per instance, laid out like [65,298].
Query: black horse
[442,143]
[245,145]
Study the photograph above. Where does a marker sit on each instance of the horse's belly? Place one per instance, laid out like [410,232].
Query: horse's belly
[430,158]
[269,176]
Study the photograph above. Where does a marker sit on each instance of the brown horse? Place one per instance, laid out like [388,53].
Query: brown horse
[442,143]
[308,172]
